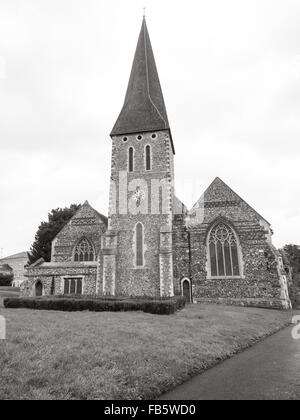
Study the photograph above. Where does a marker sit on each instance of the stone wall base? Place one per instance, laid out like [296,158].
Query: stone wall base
[255,303]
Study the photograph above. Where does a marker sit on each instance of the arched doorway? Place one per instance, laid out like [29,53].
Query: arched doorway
[39,288]
[186,290]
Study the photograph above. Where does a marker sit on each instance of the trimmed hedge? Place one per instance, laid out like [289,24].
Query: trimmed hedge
[159,307]
[178,298]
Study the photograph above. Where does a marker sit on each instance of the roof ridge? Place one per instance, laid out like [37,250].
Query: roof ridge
[17,255]
[234,192]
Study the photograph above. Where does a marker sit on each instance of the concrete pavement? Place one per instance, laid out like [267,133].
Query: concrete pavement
[268,370]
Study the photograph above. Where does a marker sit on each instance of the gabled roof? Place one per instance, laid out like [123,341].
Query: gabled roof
[178,206]
[220,191]
[103,218]
[91,212]
[144,107]
[15,256]
[39,262]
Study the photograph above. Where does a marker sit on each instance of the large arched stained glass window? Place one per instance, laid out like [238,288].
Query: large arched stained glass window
[84,251]
[139,243]
[223,252]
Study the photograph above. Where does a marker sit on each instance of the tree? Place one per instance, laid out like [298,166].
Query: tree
[292,252]
[6,279]
[57,219]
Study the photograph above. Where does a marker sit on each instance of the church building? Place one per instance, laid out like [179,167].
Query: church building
[150,245]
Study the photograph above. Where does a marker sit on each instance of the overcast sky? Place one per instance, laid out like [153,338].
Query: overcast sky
[230,73]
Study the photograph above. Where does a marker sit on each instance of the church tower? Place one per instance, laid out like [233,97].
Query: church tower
[137,253]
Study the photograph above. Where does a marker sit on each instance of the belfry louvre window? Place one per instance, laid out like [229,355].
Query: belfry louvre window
[73,286]
[84,251]
[223,252]
[139,241]
[130,159]
[148,158]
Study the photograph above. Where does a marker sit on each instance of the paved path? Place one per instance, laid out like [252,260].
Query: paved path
[268,370]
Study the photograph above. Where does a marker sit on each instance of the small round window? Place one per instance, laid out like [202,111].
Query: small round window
[139,138]
[154,136]
[125,139]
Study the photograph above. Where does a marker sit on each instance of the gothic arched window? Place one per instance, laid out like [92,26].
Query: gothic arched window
[223,252]
[139,245]
[84,251]
[148,157]
[130,159]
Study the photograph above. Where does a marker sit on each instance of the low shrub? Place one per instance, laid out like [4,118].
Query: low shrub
[180,302]
[108,297]
[159,306]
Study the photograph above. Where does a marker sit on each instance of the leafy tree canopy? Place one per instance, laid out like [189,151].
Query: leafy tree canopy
[6,279]
[57,219]
[292,252]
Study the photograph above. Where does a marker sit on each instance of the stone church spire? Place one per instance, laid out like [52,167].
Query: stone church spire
[144,107]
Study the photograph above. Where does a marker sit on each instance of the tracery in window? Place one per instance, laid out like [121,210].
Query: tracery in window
[84,251]
[223,252]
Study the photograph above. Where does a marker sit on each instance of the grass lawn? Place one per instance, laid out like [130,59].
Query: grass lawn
[60,355]
[8,292]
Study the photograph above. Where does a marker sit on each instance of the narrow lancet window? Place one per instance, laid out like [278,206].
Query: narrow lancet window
[148,158]
[130,159]
[139,243]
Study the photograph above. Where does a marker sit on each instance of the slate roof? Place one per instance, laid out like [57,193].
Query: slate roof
[144,107]
[15,256]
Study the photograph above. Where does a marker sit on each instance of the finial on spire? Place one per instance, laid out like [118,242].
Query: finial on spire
[144,12]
